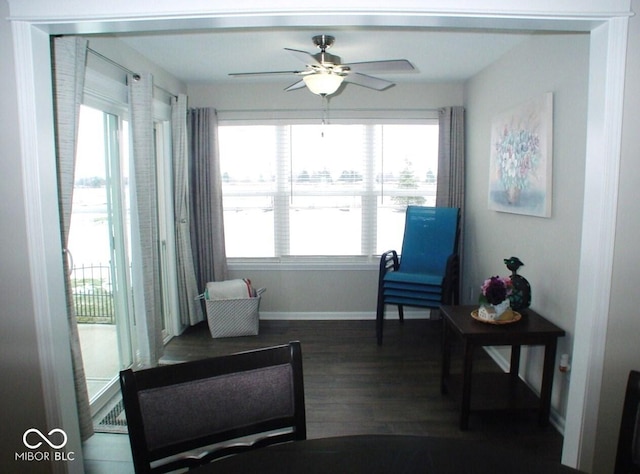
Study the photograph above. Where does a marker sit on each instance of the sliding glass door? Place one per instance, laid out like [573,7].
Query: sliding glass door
[99,242]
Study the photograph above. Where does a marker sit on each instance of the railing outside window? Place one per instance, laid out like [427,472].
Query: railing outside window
[92,294]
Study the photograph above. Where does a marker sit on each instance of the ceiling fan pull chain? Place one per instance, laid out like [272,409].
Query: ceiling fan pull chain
[325,113]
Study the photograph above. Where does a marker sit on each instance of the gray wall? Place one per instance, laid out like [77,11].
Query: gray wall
[623,333]
[549,247]
[23,405]
[239,95]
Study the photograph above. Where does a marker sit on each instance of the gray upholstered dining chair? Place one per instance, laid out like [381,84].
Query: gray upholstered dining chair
[628,455]
[188,414]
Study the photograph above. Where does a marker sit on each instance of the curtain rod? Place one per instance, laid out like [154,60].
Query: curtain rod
[135,75]
[359,109]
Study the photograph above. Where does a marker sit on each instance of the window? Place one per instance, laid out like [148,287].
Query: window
[323,190]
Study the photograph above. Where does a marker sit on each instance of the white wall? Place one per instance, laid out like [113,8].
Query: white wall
[128,58]
[550,248]
[21,389]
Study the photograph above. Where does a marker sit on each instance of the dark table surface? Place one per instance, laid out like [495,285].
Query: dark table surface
[386,454]
[532,327]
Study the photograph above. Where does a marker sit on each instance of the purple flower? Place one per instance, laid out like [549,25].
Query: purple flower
[496,289]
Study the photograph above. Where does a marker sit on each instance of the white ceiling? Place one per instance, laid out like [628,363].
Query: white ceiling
[208,57]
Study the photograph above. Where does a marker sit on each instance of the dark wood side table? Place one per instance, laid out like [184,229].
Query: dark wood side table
[502,390]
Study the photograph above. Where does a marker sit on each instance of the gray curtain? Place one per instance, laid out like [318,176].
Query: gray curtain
[190,309]
[207,226]
[450,191]
[144,223]
[69,60]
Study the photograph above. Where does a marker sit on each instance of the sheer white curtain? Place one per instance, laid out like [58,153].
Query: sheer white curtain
[145,265]
[190,309]
[207,224]
[69,61]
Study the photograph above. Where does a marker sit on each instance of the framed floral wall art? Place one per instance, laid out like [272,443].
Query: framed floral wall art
[521,158]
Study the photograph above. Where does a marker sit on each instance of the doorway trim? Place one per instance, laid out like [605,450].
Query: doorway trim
[604,124]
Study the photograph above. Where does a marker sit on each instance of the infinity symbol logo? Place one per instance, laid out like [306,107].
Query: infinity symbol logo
[44,438]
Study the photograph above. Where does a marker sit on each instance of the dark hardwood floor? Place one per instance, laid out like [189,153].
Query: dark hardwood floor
[354,386]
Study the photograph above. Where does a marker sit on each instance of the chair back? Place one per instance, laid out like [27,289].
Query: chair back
[430,237]
[628,455]
[213,407]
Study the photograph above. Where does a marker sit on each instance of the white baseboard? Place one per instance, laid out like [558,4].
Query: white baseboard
[555,418]
[342,316]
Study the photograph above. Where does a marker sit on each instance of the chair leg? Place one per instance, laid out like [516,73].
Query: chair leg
[379,325]
[379,321]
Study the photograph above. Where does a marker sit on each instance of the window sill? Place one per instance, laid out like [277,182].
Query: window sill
[328,263]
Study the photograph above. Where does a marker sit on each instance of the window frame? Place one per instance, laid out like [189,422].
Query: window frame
[369,255]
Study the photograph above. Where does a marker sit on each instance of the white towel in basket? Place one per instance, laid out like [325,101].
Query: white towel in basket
[229,289]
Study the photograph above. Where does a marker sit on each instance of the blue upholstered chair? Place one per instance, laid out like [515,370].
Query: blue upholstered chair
[184,415]
[426,273]
[628,455]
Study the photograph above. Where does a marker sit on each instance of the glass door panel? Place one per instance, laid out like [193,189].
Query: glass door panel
[98,244]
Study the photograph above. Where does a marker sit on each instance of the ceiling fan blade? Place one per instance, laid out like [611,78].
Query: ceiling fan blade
[368,81]
[306,58]
[264,73]
[295,86]
[392,65]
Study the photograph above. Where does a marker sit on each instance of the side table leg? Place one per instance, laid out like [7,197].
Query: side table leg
[465,407]
[547,382]
[514,369]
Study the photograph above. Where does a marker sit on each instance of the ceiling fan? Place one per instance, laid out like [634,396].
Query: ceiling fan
[324,73]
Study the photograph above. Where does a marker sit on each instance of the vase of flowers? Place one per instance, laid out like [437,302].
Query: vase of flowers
[494,299]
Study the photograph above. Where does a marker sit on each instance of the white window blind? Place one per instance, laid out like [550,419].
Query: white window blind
[323,190]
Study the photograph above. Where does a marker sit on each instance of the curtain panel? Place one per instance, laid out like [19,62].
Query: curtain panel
[144,223]
[69,61]
[190,309]
[450,191]
[207,221]
[451,182]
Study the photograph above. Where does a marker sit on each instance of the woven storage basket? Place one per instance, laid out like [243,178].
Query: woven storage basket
[234,317]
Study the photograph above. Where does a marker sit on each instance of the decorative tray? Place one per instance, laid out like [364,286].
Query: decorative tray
[516,317]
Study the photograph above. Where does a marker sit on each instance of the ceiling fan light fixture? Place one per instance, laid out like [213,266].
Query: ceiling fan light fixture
[323,83]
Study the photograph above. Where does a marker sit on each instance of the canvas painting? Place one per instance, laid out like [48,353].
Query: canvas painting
[521,159]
